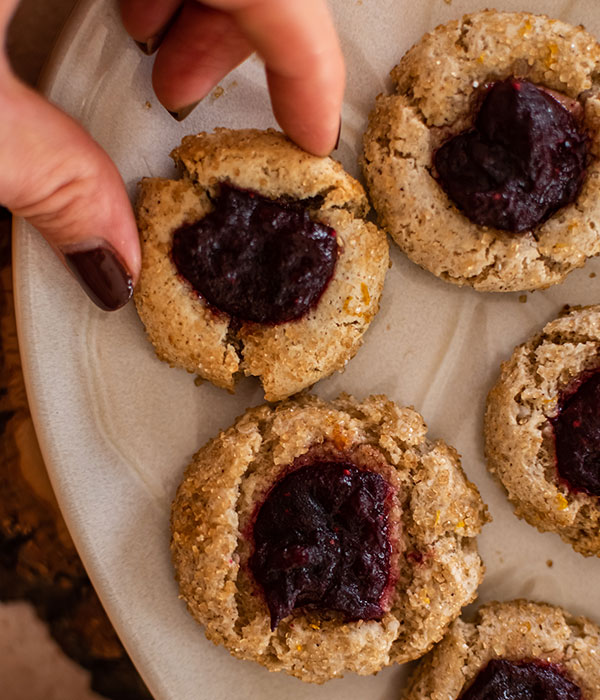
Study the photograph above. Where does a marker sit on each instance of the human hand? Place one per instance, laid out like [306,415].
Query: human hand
[57,177]
[200,42]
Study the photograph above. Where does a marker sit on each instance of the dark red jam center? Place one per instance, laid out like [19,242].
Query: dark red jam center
[523,680]
[577,436]
[322,540]
[257,259]
[525,158]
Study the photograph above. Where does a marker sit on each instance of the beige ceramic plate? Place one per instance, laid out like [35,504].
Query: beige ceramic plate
[117,427]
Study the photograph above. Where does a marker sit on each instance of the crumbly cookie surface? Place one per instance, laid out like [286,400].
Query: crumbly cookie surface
[436,86]
[436,517]
[287,357]
[516,630]
[519,443]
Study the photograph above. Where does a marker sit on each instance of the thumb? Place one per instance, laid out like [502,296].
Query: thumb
[57,177]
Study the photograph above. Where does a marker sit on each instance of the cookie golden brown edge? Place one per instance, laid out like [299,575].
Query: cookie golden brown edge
[436,85]
[287,357]
[438,511]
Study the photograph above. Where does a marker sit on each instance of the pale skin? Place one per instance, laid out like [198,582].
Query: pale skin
[57,177]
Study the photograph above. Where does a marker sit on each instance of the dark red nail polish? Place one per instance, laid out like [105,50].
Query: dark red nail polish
[153,43]
[182,113]
[150,46]
[337,142]
[103,276]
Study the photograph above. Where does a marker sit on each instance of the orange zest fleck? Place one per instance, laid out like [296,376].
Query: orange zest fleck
[526,28]
[339,440]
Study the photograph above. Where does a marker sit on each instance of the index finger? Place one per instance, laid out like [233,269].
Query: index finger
[304,63]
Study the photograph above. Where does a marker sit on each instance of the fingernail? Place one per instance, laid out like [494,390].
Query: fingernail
[150,45]
[103,276]
[153,43]
[337,141]
[182,113]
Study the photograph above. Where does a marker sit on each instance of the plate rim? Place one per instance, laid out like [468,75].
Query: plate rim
[45,85]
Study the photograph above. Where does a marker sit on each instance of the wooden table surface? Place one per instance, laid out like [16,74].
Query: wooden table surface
[45,593]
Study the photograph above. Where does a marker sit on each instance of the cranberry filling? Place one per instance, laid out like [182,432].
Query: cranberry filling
[524,159]
[322,539]
[521,680]
[256,259]
[577,435]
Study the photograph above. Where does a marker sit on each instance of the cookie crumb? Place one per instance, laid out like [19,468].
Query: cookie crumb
[592,275]
[219,91]
[549,563]
[148,104]
[522,298]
